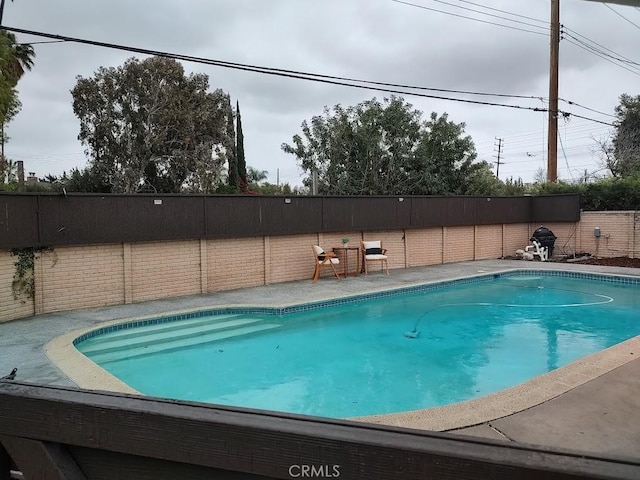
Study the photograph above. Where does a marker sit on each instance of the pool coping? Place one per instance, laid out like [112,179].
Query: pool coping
[87,374]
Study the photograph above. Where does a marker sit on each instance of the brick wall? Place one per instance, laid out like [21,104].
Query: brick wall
[95,275]
[515,237]
[10,307]
[619,234]
[79,277]
[458,244]
[424,247]
[165,269]
[290,257]
[489,242]
[235,263]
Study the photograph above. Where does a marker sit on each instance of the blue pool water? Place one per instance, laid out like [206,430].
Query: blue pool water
[357,359]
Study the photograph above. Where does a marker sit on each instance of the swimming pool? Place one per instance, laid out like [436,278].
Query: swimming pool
[475,336]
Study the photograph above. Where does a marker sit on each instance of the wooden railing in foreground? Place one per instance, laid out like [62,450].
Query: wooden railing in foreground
[64,433]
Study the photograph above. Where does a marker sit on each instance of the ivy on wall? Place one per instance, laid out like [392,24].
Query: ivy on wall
[23,284]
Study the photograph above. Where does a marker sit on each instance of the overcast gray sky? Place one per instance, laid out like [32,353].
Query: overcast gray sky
[378,40]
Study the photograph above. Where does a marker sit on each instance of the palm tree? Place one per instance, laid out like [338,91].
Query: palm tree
[15,59]
[18,59]
[11,172]
[256,176]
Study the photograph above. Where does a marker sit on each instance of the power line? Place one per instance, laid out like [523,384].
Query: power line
[546,22]
[586,108]
[565,156]
[488,14]
[580,44]
[615,55]
[621,16]
[471,18]
[583,126]
[328,79]
[569,114]
[590,50]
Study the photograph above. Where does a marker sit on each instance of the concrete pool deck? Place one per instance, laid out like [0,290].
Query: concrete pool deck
[592,404]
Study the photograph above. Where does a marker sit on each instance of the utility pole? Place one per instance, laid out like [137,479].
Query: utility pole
[498,146]
[552,139]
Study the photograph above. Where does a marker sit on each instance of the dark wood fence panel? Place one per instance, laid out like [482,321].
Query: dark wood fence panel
[19,221]
[105,219]
[109,435]
[429,211]
[238,216]
[106,465]
[365,213]
[496,210]
[443,211]
[49,219]
[555,208]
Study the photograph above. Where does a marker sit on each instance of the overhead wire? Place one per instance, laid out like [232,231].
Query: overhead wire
[599,50]
[546,22]
[527,139]
[621,16]
[329,79]
[616,55]
[591,50]
[564,154]
[489,14]
[586,108]
[471,18]
[321,78]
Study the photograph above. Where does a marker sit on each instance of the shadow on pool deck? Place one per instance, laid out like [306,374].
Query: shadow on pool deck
[600,415]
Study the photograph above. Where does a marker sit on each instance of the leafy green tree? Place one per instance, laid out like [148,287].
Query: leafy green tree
[384,148]
[148,127]
[445,160]
[482,181]
[512,187]
[267,188]
[86,180]
[624,153]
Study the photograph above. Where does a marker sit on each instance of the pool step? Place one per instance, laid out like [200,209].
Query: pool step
[132,332]
[155,341]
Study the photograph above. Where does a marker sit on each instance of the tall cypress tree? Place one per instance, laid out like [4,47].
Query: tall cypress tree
[232,156]
[241,163]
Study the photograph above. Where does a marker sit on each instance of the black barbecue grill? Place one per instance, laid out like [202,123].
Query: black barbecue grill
[545,238]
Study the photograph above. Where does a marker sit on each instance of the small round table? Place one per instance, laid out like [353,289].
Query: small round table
[344,250]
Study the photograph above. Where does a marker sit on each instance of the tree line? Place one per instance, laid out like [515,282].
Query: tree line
[148,127]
